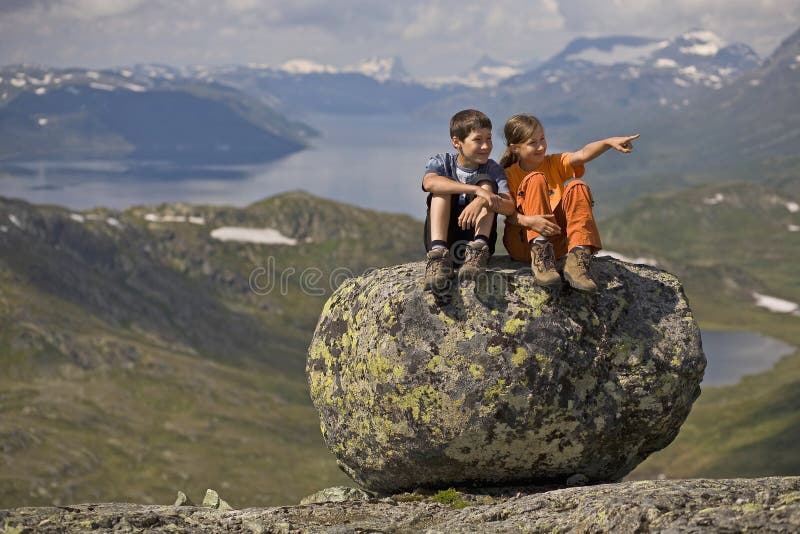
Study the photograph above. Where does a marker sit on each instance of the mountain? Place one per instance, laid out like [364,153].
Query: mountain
[145,113]
[606,50]
[165,345]
[746,130]
[382,69]
[735,247]
[595,82]
[301,86]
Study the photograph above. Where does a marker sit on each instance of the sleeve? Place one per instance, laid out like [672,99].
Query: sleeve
[435,165]
[498,174]
[567,170]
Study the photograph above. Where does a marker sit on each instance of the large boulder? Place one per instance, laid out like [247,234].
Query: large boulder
[500,382]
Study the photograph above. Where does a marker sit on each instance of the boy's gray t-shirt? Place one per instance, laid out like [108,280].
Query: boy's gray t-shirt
[446,165]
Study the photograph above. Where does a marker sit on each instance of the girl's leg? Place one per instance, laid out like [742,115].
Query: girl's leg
[583,238]
[533,198]
[580,223]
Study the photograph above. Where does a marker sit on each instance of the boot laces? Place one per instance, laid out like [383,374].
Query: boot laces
[583,257]
[545,258]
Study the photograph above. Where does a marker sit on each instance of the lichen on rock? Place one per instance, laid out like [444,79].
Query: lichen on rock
[502,382]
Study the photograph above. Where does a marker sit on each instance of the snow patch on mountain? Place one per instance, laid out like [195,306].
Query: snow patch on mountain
[307,66]
[618,53]
[701,43]
[381,69]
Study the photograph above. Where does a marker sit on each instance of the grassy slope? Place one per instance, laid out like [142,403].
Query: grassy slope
[722,253]
[136,361]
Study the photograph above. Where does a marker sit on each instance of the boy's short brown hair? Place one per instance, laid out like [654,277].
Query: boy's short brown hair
[467,121]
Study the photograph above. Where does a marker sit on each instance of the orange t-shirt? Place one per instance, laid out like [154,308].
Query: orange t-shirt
[557,169]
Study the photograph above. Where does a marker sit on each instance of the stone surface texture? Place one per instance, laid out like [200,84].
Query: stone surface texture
[499,381]
[740,505]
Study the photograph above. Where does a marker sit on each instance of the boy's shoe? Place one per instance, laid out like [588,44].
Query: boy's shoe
[439,269]
[576,270]
[543,264]
[476,257]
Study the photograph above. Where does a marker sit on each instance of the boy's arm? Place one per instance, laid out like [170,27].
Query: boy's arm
[441,185]
[592,150]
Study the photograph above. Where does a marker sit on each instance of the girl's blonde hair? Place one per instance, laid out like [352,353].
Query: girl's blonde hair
[518,129]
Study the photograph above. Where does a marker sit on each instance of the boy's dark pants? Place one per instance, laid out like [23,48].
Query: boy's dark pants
[457,238]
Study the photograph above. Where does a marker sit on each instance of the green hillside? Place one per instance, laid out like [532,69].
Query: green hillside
[136,360]
[726,241]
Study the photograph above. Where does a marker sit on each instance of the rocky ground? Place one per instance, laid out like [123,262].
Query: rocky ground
[734,505]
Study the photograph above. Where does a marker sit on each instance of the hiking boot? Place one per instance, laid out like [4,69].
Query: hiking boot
[576,270]
[543,264]
[439,269]
[476,257]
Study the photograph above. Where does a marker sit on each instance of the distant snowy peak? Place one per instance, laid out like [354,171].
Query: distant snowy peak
[703,48]
[610,50]
[378,68]
[381,69]
[700,43]
[307,66]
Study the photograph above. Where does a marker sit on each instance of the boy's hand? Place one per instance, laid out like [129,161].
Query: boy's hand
[542,224]
[469,217]
[623,144]
[492,200]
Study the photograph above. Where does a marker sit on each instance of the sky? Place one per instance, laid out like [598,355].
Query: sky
[432,37]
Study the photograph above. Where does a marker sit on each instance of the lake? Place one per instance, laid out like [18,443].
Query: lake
[373,161]
[732,355]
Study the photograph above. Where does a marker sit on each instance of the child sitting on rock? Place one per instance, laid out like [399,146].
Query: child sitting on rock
[554,208]
[466,191]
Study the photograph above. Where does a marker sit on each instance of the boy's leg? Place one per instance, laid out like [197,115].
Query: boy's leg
[437,220]
[583,237]
[439,267]
[480,249]
[533,198]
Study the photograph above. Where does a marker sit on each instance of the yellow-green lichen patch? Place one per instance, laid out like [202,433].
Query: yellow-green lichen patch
[508,452]
[476,370]
[493,392]
[435,363]
[533,299]
[495,350]
[513,326]
[519,356]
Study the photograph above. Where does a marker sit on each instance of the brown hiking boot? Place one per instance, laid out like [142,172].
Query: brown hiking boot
[543,264]
[476,257]
[576,270]
[439,269]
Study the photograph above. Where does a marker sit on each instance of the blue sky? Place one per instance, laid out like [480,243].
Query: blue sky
[433,37]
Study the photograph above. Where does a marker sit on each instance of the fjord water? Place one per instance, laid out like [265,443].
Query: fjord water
[373,161]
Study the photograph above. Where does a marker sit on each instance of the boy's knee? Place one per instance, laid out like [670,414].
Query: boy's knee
[488,184]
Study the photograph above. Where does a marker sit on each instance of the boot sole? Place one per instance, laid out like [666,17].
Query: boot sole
[574,286]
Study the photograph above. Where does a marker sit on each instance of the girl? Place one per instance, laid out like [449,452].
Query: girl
[554,208]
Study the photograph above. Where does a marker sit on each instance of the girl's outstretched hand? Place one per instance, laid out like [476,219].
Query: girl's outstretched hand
[623,144]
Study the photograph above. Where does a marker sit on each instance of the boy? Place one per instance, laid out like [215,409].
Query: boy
[466,191]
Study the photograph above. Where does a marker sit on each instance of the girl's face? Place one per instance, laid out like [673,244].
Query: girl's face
[531,152]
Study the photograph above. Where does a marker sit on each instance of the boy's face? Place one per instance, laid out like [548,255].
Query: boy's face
[531,152]
[475,149]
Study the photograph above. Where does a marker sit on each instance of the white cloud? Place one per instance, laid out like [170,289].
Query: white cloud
[433,37]
[94,9]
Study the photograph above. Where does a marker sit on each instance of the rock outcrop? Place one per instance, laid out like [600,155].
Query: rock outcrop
[741,505]
[501,382]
